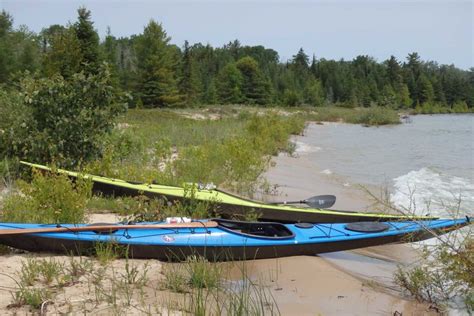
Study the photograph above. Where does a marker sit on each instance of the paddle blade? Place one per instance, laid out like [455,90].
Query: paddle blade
[321,201]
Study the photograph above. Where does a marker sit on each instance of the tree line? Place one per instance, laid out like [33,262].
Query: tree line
[157,73]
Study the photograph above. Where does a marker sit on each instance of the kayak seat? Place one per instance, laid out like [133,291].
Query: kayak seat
[104,232]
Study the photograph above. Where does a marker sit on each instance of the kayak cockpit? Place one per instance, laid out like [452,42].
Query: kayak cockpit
[256,229]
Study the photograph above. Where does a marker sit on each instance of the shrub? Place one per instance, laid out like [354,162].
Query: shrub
[49,198]
[377,116]
[58,119]
[445,276]
[460,107]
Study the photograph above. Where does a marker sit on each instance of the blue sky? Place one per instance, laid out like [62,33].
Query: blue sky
[438,30]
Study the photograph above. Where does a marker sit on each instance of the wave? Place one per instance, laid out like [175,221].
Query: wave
[305,148]
[428,191]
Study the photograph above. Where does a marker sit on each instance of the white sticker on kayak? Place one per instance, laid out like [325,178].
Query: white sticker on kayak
[167,238]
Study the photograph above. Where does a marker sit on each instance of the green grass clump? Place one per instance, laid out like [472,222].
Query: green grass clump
[49,198]
[195,272]
[377,116]
[202,273]
[106,252]
[33,297]
[367,116]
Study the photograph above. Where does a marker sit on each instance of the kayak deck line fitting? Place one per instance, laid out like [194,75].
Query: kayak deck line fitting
[227,204]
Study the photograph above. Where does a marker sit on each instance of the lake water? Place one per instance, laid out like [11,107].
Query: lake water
[428,161]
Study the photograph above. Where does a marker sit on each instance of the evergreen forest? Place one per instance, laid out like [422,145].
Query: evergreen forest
[150,72]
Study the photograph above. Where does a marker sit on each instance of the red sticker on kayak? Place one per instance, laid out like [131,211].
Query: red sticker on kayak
[167,238]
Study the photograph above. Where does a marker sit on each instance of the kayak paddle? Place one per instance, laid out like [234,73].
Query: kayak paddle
[318,201]
[105,228]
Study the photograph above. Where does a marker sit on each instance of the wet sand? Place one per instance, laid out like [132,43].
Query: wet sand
[343,283]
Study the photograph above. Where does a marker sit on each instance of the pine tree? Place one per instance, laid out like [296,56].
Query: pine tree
[314,67]
[314,93]
[64,55]
[88,40]
[210,96]
[156,63]
[426,89]
[229,84]
[388,97]
[404,96]
[109,51]
[255,87]
[300,67]
[110,48]
[189,84]
[394,72]
[413,71]
[301,60]
[414,64]
[71,50]
[6,48]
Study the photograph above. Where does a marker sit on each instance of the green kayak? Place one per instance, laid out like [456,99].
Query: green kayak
[228,204]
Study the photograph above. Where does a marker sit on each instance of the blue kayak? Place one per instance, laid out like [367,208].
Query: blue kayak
[220,239]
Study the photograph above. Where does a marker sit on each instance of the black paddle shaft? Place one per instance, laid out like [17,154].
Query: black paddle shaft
[319,201]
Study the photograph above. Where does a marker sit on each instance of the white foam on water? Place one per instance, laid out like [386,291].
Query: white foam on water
[326,171]
[305,148]
[428,191]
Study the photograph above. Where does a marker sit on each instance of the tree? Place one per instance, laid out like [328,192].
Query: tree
[413,71]
[426,92]
[314,93]
[73,49]
[255,87]
[48,34]
[314,67]
[210,95]
[301,60]
[88,40]
[414,64]
[291,98]
[229,83]
[6,47]
[62,120]
[110,48]
[64,56]
[156,63]
[404,96]
[388,97]
[6,23]
[393,72]
[300,67]
[189,84]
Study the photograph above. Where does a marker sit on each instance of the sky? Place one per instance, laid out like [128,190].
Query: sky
[439,30]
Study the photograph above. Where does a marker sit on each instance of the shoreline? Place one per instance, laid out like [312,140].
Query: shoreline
[356,282]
